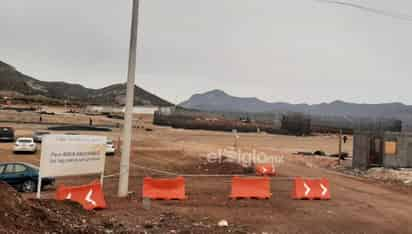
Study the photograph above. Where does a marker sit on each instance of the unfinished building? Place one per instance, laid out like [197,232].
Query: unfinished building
[382,149]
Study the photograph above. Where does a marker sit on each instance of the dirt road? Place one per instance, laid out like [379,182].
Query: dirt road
[357,206]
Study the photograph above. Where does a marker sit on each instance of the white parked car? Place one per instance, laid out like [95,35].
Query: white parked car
[110,148]
[25,144]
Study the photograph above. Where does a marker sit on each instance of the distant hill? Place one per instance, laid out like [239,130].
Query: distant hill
[15,81]
[217,100]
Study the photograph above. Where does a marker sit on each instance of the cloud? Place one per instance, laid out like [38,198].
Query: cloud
[294,51]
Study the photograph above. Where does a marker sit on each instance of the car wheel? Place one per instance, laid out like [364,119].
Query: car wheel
[28,186]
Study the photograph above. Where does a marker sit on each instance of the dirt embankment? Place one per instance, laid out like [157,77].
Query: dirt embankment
[18,215]
[40,216]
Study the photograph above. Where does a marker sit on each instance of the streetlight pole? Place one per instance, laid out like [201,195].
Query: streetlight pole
[128,116]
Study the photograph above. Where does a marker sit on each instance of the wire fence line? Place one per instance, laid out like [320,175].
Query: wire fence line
[394,15]
[278,178]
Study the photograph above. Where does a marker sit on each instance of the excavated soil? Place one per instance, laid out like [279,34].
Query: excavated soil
[18,215]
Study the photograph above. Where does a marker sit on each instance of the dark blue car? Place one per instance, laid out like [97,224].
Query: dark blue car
[22,176]
[6,134]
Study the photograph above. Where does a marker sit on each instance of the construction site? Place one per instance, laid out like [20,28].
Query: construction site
[258,118]
[371,201]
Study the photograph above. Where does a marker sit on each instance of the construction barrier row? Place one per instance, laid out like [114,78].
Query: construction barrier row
[241,188]
[91,196]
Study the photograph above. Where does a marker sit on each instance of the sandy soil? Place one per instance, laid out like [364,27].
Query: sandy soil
[358,205]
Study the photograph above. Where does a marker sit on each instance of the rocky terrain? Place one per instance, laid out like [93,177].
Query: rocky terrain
[13,81]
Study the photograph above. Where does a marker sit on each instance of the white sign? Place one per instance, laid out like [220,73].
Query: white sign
[68,155]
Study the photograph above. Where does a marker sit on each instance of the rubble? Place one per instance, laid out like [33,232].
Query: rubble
[403,175]
[170,222]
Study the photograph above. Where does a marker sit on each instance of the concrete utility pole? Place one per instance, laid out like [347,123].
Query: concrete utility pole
[128,117]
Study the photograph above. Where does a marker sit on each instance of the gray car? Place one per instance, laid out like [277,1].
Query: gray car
[38,136]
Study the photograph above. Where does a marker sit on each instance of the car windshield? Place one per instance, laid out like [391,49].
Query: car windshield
[25,141]
[31,165]
[42,133]
[36,168]
[109,142]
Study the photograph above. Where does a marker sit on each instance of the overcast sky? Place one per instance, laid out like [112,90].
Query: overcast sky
[292,50]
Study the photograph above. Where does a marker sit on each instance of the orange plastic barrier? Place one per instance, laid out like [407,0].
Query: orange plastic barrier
[166,189]
[257,187]
[89,196]
[265,170]
[311,189]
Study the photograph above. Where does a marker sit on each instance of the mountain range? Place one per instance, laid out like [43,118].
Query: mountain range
[11,80]
[217,100]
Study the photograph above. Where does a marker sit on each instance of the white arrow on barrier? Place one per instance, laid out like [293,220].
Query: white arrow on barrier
[324,190]
[264,170]
[69,196]
[307,189]
[89,197]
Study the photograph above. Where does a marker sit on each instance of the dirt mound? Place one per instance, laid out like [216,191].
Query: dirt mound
[217,167]
[18,215]
[39,216]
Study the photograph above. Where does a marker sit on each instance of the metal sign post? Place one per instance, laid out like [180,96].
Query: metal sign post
[39,186]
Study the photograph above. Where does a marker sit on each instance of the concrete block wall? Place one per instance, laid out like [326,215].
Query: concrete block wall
[403,156]
[361,149]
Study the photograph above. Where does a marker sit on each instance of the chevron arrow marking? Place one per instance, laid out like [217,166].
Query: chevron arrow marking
[89,197]
[307,189]
[324,190]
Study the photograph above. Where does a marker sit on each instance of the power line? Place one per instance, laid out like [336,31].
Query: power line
[394,15]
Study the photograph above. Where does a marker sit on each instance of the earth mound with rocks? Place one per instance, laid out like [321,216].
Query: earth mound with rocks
[18,215]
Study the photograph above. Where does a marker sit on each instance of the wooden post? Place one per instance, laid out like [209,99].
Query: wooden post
[236,137]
